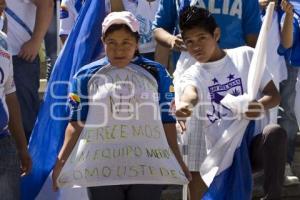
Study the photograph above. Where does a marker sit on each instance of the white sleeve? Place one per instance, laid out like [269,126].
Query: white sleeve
[9,86]
[189,78]
[67,18]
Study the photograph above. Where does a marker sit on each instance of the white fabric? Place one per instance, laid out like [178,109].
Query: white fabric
[145,14]
[7,85]
[125,146]
[213,81]
[193,139]
[67,24]
[275,63]
[16,34]
[221,155]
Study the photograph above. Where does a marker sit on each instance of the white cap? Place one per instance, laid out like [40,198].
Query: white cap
[123,17]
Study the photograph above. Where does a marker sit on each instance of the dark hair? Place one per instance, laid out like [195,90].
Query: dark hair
[193,16]
[116,27]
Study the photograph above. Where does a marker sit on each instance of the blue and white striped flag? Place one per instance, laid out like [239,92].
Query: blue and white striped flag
[47,137]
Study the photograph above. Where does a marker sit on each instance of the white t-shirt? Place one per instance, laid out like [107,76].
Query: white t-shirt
[145,13]
[69,14]
[213,81]
[16,34]
[7,85]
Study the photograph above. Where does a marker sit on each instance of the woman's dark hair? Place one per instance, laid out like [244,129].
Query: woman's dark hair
[116,27]
[193,16]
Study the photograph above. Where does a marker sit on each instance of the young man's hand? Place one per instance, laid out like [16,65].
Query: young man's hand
[26,162]
[255,110]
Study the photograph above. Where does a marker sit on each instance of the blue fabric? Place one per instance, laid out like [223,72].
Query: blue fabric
[235,183]
[79,90]
[292,55]
[235,26]
[165,87]
[48,134]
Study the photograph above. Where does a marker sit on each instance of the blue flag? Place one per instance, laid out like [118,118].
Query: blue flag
[82,46]
[236,181]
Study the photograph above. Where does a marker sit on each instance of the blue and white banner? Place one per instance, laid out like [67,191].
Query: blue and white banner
[82,46]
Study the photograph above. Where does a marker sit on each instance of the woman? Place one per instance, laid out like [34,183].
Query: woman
[116,82]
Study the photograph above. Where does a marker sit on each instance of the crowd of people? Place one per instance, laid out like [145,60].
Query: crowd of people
[206,45]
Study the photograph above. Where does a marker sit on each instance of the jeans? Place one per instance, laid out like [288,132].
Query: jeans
[287,118]
[27,80]
[9,170]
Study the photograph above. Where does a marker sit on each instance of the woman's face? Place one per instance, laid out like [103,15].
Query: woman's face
[120,47]
[201,44]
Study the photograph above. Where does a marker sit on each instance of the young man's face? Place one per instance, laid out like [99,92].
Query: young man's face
[201,44]
[120,47]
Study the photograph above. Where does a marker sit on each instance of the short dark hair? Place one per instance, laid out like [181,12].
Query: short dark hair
[193,16]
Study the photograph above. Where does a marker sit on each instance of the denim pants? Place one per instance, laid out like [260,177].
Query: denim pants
[287,118]
[9,170]
[27,80]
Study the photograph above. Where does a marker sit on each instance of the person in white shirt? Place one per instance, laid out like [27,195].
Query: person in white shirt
[216,73]
[69,10]
[13,145]
[28,21]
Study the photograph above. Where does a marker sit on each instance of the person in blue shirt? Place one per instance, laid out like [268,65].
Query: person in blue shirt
[287,118]
[239,21]
[122,77]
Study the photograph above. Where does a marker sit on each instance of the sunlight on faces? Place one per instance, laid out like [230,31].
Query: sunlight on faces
[201,44]
[120,47]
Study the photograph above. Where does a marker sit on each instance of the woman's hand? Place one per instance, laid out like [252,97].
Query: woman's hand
[55,173]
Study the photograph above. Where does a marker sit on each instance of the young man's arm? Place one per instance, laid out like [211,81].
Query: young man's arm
[287,27]
[270,99]
[44,13]
[16,129]
[72,134]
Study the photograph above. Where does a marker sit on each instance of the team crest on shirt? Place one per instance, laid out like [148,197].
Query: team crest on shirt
[74,101]
[218,91]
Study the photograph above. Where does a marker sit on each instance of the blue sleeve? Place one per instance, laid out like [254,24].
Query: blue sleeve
[166,16]
[78,98]
[251,20]
[166,92]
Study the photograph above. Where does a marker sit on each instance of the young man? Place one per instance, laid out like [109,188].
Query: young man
[216,73]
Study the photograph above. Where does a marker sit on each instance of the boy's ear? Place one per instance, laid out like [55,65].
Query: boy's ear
[217,34]
[102,39]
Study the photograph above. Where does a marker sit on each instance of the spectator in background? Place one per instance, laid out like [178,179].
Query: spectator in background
[287,118]
[13,145]
[239,21]
[70,10]
[28,21]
